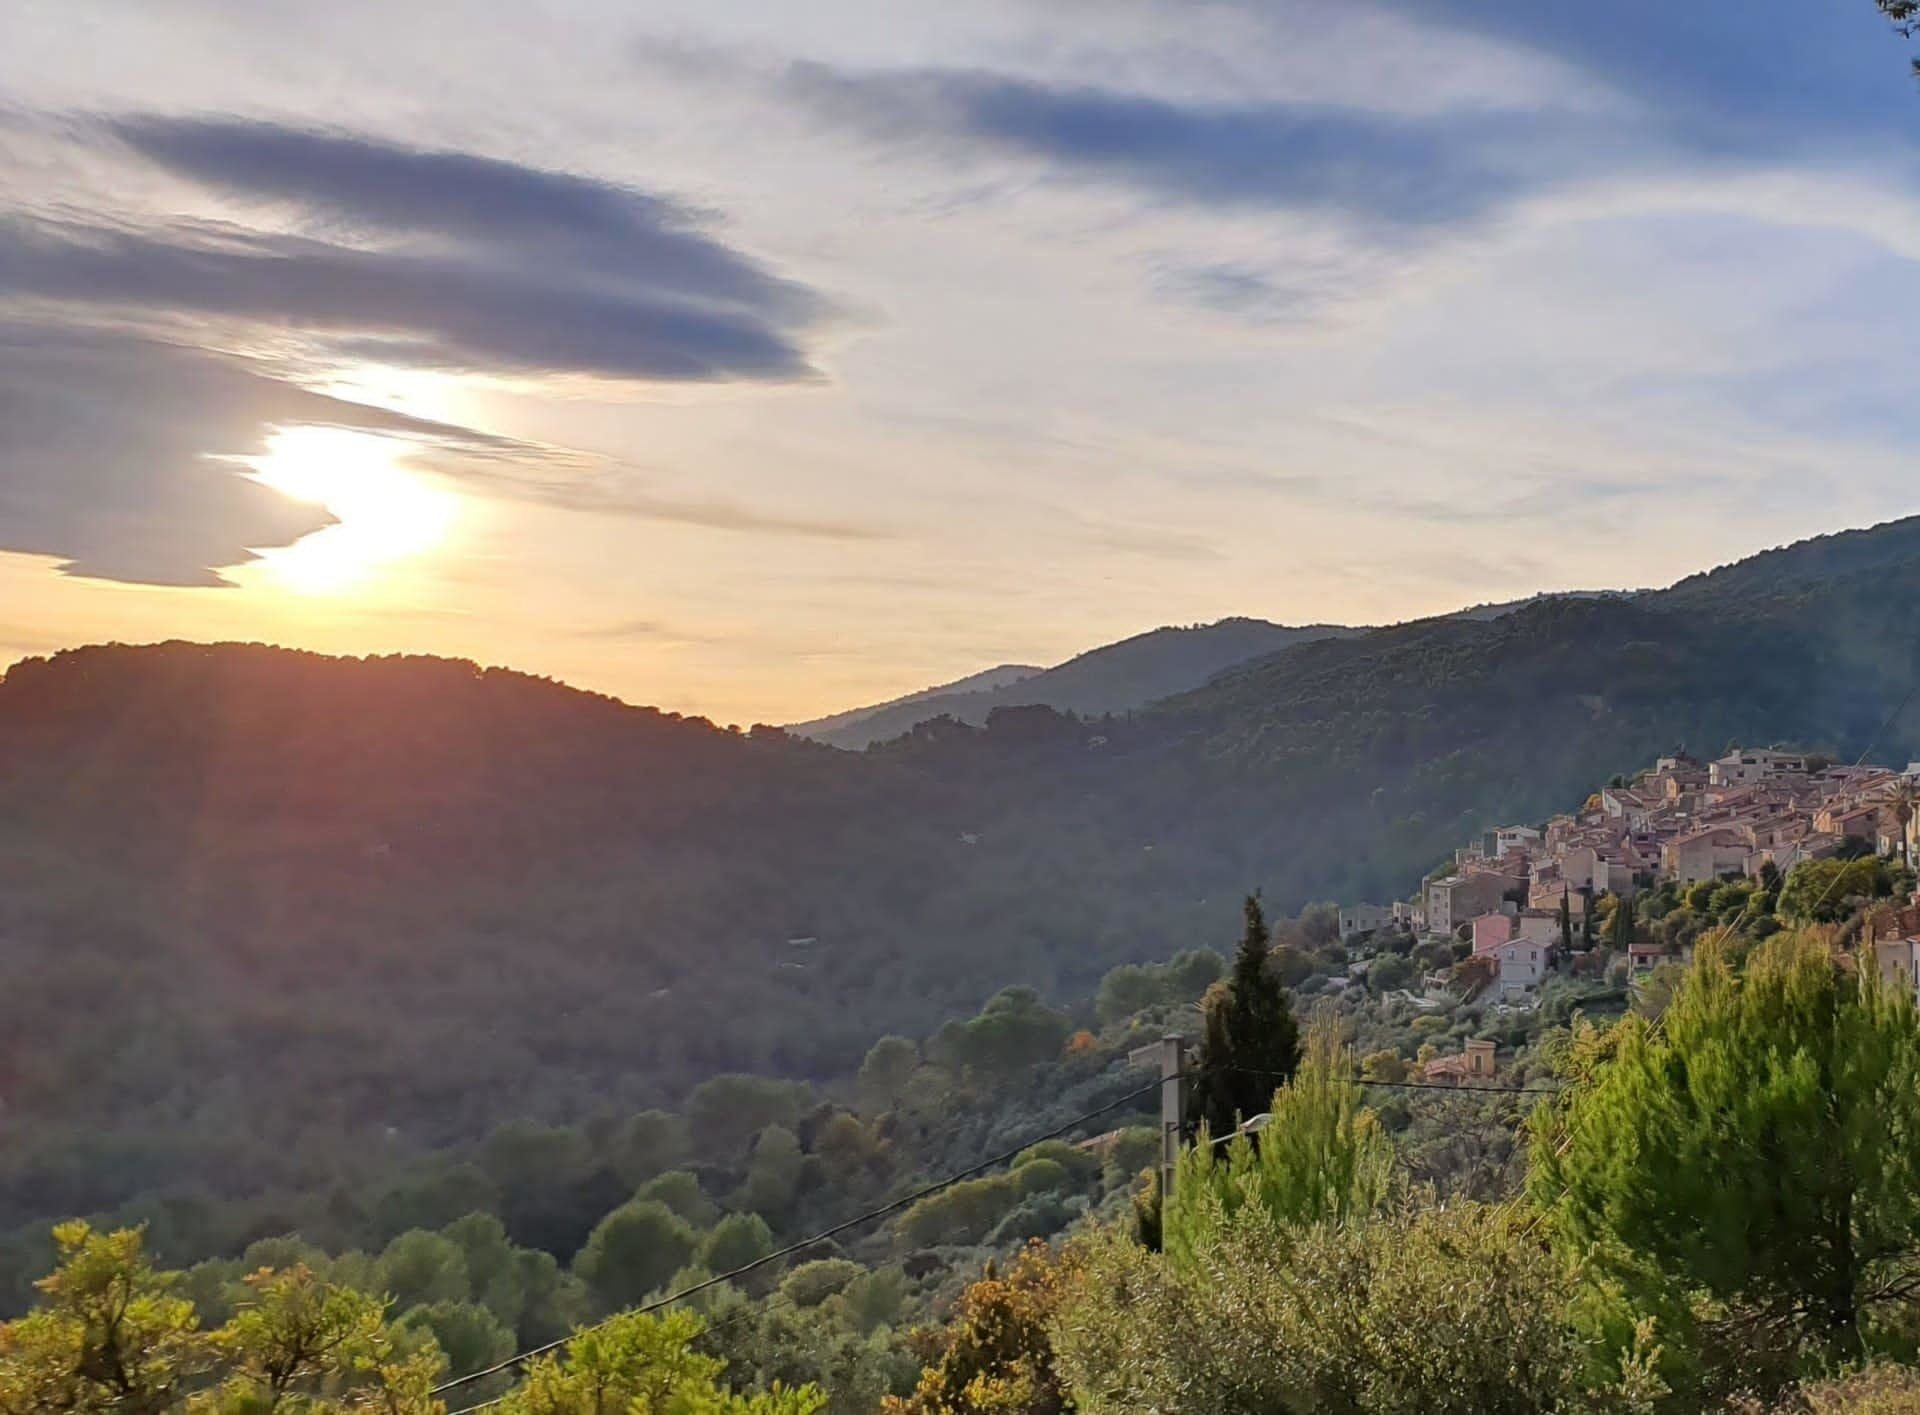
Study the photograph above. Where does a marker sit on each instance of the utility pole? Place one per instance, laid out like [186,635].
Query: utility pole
[1171,1054]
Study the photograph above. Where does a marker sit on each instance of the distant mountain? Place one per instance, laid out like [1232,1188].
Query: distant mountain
[825,729]
[262,912]
[1116,678]
[1502,608]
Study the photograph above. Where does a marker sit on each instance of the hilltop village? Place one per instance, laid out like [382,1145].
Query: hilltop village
[1586,894]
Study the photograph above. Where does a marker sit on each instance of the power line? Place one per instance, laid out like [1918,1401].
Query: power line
[804,1243]
[987,1164]
[1446,1086]
[914,1197]
[1405,1085]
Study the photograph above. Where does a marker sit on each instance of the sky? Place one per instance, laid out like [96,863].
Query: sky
[758,360]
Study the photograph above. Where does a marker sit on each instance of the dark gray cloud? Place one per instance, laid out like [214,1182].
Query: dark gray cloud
[1374,168]
[478,206]
[440,259]
[411,308]
[116,455]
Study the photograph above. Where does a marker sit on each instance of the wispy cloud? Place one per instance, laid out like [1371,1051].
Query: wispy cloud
[576,483]
[1375,168]
[121,426]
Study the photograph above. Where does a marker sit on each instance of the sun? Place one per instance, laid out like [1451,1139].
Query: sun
[385,512]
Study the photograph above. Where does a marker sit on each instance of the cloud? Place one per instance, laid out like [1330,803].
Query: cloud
[480,202]
[644,630]
[441,259]
[121,456]
[584,484]
[1378,169]
[1784,74]
[118,455]
[1298,296]
[121,427]
[439,311]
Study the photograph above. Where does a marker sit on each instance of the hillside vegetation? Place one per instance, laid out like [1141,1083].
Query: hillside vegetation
[263,909]
[1115,678]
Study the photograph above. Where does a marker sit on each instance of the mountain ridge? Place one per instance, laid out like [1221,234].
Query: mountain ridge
[425,896]
[1108,679]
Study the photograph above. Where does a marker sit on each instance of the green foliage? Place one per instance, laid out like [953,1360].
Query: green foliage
[812,1283]
[738,1239]
[996,1354]
[773,1173]
[109,1333]
[418,1267]
[821,1344]
[650,1143]
[884,1074]
[1013,1031]
[1188,974]
[961,1213]
[1041,1177]
[1827,891]
[1384,1065]
[1760,1145]
[1133,1149]
[662,863]
[1620,930]
[1126,990]
[643,1364]
[728,1111]
[679,1190]
[110,1336]
[1319,924]
[1323,1158]
[1388,972]
[468,1334]
[1080,1165]
[1249,1042]
[1448,1311]
[632,1251]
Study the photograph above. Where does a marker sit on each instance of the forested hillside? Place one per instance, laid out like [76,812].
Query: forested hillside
[260,910]
[1114,678]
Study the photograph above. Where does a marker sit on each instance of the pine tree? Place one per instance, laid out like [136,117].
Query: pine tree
[1756,1145]
[1250,1045]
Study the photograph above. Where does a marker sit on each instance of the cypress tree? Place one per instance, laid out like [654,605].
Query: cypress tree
[1566,920]
[1251,1044]
[1620,930]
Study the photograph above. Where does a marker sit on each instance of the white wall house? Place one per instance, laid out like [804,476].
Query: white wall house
[1899,960]
[1523,964]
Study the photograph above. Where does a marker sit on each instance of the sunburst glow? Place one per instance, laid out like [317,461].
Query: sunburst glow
[386,512]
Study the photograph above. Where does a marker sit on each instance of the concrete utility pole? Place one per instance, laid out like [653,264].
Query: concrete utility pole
[1171,1054]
